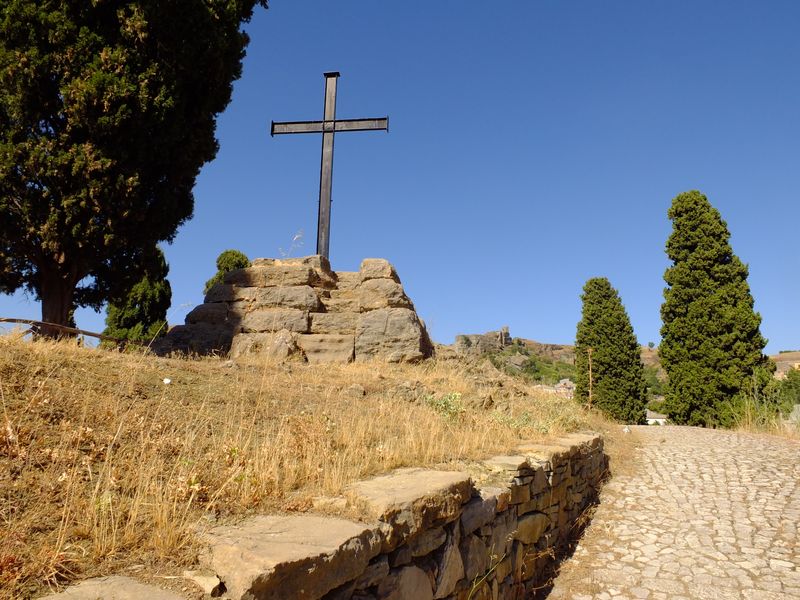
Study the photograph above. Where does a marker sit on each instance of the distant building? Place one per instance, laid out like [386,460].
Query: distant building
[654,418]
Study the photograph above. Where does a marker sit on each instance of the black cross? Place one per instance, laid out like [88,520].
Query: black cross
[328,127]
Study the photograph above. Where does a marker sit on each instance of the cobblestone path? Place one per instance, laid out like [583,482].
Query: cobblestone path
[707,514]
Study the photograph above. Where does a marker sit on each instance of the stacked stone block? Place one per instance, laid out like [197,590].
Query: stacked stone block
[299,306]
[436,534]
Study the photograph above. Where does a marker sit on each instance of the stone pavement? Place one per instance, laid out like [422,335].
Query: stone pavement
[707,514]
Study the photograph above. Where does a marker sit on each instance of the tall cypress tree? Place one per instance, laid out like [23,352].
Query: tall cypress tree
[617,375]
[711,343]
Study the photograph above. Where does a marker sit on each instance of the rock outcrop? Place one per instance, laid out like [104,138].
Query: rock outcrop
[476,344]
[300,307]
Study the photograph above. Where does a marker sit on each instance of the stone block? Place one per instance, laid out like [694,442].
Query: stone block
[377,268]
[341,301]
[539,483]
[539,503]
[502,537]
[206,581]
[315,261]
[520,494]
[517,560]
[375,572]
[409,501]
[275,319]
[400,556]
[197,338]
[264,275]
[280,345]
[338,323]
[530,527]
[393,335]
[451,568]
[343,592]
[427,541]
[507,464]
[381,293]
[503,568]
[116,587]
[246,277]
[347,280]
[475,556]
[326,348]
[223,292]
[478,512]
[405,584]
[302,297]
[270,557]
[213,314]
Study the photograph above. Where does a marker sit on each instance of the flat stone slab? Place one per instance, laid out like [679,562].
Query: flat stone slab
[507,463]
[276,557]
[411,500]
[116,587]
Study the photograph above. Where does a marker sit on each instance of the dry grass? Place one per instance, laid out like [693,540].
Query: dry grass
[752,414]
[103,465]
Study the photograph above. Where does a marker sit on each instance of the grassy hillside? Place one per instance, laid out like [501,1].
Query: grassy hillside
[110,460]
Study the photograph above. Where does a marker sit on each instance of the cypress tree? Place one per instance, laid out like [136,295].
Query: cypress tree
[142,314]
[107,113]
[617,374]
[711,348]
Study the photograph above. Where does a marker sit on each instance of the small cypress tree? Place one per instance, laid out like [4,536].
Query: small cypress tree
[711,343]
[142,314]
[227,261]
[617,379]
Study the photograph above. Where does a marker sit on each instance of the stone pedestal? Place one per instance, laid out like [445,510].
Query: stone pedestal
[300,307]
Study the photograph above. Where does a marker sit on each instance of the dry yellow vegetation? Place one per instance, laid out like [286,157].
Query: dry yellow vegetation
[110,459]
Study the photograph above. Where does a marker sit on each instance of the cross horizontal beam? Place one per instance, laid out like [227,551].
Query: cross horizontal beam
[380,124]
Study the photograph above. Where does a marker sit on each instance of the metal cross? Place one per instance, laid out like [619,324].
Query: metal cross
[328,127]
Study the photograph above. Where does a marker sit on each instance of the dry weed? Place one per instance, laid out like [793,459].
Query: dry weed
[110,460]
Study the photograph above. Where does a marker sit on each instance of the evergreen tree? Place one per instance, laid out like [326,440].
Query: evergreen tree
[142,315]
[107,113]
[711,347]
[227,261]
[618,387]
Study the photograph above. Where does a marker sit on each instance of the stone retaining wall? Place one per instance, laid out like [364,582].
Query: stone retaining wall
[434,534]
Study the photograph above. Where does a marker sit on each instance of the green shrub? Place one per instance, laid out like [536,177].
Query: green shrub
[142,315]
[447,405]
[227,261]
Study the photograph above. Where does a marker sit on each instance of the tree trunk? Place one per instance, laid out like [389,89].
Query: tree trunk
[56,290]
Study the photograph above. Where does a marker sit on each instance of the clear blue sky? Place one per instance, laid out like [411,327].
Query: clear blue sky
[532,145]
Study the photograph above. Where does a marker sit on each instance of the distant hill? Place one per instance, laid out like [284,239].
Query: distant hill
[566,353]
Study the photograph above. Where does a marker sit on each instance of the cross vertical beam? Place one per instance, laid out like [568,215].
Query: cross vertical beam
[326,166]
[328,127]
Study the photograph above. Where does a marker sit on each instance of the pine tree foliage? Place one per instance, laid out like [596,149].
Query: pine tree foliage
[142,315]
[617,375]
[227,261]
[711,348]
[107,113]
